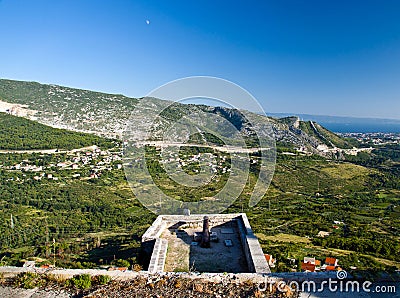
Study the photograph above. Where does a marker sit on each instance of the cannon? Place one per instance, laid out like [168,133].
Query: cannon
[205,239]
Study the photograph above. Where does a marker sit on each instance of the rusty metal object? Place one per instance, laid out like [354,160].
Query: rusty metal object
[205,240]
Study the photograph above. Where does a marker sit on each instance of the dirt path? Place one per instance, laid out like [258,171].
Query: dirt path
[228,149]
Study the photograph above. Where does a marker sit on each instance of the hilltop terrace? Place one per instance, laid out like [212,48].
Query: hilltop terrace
[173,244]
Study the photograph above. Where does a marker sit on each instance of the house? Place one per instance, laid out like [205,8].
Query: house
[330,268]
[271,261]
[62,164]
[122,269]
[308,267]
[323,234]
[310,264]
[331,262]
[309,260]
[29,264]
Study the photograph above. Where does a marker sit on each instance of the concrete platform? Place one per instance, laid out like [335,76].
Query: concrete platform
[244,256]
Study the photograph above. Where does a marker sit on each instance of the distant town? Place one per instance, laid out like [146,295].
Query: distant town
[376,138]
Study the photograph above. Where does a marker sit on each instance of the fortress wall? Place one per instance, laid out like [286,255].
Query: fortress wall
[158,256]
[157,247]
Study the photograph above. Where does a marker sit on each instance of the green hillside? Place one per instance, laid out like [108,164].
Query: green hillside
[53,98]
[106,114]
[326,136]
[21,134]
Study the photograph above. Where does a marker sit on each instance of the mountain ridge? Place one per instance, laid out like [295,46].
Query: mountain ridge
[106,114]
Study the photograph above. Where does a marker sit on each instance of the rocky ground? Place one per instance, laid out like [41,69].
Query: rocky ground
[181,287]
[10,292]
[155,286]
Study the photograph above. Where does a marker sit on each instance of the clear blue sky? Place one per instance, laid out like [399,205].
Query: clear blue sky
[314,57]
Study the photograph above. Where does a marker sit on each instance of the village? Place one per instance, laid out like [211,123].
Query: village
[376,138]
[310,264]
[85,163]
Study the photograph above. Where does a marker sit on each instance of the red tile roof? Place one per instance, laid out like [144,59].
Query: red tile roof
[330,261]
[308,266]
[330,268]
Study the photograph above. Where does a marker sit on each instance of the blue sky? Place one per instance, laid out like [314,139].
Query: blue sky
[315,57]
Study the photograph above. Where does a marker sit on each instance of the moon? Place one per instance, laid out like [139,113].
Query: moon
[148,22]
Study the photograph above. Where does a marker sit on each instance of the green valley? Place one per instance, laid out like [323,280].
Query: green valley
[74,208]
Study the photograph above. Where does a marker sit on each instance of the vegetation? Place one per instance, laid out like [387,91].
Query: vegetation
[308,194]
[28,280]
[31,280]
[82,281]
[141,286]
[97,222]
[75,108]
[102,279]
[22,134]
[325,136]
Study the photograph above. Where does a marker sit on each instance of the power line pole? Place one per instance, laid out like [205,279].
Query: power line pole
[54,255]
[47,239]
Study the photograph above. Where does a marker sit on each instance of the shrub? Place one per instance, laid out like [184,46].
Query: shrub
[27,280]
[103,279]
[122,263]
[56,278]
[82,281]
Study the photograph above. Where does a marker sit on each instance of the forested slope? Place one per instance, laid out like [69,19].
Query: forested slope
[22,134]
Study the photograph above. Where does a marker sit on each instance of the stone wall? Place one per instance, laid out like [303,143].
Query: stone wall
[158,256]
[252,249]
[152,243]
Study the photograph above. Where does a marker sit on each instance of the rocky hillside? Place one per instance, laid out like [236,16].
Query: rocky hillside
[106,114]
